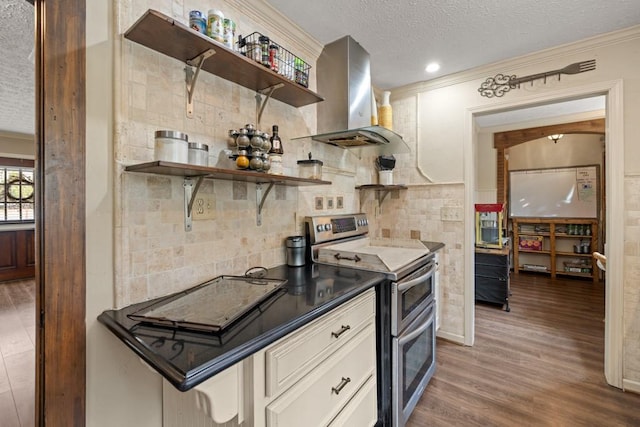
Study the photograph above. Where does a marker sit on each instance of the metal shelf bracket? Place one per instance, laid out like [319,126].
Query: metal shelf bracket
[190,192]
[191,78]
[261,104]
[260,199]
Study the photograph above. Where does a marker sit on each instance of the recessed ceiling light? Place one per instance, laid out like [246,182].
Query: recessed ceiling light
[432,68]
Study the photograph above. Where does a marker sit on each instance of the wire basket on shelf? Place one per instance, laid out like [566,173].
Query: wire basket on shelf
[270,54]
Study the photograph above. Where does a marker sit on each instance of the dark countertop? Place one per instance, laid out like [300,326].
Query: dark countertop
[187,358]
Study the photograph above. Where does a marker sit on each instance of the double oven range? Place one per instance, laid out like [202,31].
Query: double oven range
[405,304]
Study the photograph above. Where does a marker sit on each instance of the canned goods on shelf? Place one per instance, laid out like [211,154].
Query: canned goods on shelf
[215,25]
[197,21]
[229,32]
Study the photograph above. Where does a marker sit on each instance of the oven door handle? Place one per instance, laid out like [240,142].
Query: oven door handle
[403,286]
[415,333]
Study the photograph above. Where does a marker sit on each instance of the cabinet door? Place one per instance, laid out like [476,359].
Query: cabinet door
[318,397]
[362,410]
[294,356]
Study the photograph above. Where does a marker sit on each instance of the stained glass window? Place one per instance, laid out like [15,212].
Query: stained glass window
[17,195]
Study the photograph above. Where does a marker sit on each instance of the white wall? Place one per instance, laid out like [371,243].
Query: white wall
[120,390]
[571,150]
[17,146]
[445,108]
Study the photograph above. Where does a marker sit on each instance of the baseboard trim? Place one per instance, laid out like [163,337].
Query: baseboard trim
[458,339]
[632,386]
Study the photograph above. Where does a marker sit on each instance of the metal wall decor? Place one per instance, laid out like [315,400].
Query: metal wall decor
[501,83]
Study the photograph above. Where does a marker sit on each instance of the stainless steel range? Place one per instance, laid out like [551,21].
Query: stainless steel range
[406,306]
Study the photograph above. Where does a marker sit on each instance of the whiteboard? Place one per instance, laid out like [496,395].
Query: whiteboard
[563,192]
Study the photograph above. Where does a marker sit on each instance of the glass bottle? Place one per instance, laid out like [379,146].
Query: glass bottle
[264,49]
[275,153]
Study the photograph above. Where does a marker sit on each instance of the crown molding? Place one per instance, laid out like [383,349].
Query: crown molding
[23,137]
[507,66]
[289,34]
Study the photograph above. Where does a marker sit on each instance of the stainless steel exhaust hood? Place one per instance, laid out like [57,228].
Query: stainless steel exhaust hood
[343,73]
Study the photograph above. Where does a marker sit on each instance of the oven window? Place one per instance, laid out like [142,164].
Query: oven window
[417,359]
[416,295]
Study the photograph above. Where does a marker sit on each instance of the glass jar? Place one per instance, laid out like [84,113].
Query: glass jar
[264,49]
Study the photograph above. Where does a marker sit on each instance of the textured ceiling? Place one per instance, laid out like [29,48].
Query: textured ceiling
[17,95]
[402,36]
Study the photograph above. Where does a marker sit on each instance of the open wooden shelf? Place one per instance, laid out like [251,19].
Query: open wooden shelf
[381,187]
[194,175]
[164,34]
[556,242]
[191,171]
[382,190]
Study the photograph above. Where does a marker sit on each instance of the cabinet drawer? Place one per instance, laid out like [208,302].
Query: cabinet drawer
[492,290]
[315,400]
[362,410]
[492,259]
[293,357]
[497,271]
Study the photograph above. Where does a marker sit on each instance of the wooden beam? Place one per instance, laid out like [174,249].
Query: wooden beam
[60,214]
[511,138]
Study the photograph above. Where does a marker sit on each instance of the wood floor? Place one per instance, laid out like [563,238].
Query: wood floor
[17,353]
[541,364]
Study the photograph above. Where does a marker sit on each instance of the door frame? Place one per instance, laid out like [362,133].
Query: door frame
[60,389]
[614,225]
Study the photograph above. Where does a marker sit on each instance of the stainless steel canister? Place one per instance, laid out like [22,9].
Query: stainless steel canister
[171,146]
[198,154]
[295,251]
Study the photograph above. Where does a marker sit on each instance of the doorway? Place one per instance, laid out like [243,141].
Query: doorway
[613,226]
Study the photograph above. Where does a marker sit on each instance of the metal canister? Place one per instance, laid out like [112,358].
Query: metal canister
[197,21]
[295,251]
[198,154]
[171,146]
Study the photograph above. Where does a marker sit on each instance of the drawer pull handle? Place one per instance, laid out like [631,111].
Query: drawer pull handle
[342,330]
[354,258]
[340,386]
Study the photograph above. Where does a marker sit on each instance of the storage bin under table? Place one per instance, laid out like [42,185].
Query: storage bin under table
[492,276]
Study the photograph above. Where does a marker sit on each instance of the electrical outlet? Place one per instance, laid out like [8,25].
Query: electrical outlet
[329,202]
[203,208]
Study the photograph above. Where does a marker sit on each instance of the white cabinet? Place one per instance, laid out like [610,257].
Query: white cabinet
[321,394]
[216,402]
[288,360]
[322,374]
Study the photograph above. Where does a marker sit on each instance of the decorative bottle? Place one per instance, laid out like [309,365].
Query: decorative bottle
[385,115]
[276,152]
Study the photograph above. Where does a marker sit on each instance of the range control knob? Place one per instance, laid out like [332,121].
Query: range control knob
[320,228]
[327,227]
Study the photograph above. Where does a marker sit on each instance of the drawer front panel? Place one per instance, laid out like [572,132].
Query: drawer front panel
[499,272]
[362,410]
[293,357]
[492,259]
[320,396]
[492,290]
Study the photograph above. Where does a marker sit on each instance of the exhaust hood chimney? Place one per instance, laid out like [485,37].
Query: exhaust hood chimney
[343,72]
